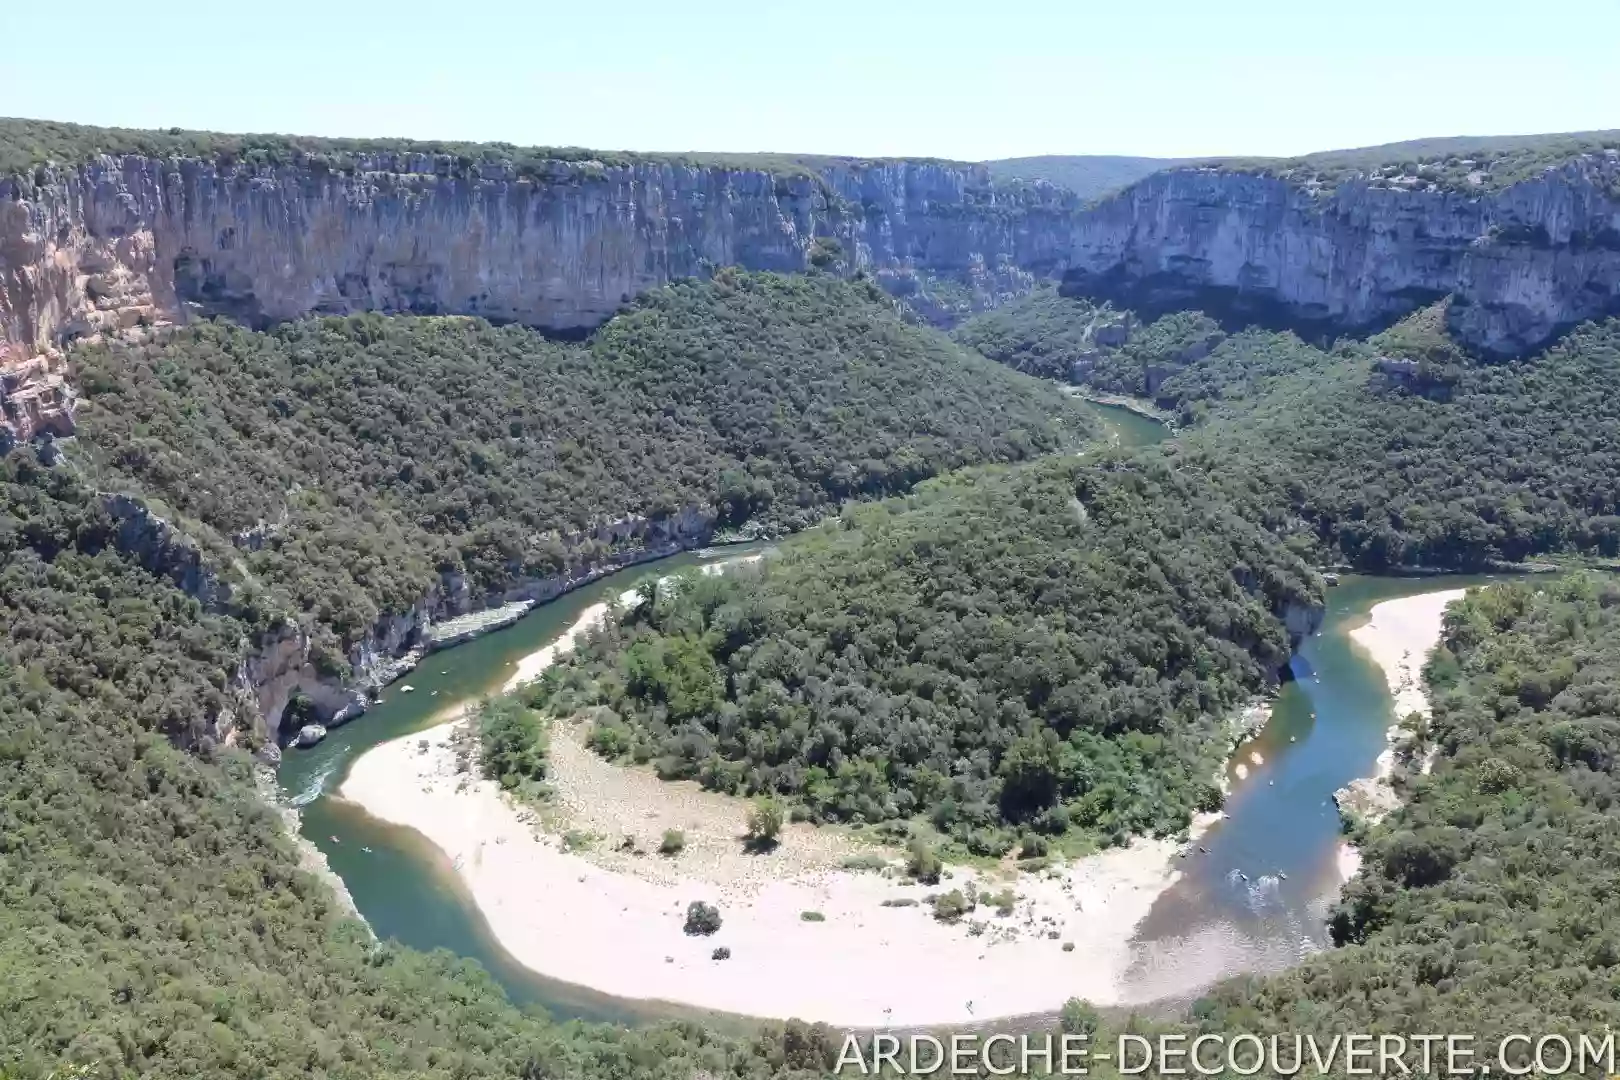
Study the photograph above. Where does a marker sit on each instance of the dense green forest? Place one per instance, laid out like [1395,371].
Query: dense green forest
[1469,163]
[1454,463]
[1052,648]
[1488,904]
[154,921]
[1176,360]
[1041,334]
[26,144]
[372,454]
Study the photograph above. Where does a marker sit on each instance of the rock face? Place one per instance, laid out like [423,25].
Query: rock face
[122,243]
[1521,264]
[282,663]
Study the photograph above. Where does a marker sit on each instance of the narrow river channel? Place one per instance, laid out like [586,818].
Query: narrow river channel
[1254,899]
[402,885]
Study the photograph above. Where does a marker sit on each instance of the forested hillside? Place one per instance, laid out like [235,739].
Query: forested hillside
[1042,334]
[153,918]
[1450,465]
[27,144]
[1057,647]
[1470,163]
[1487,905]
[1184,362]
[361,457]
[1438,459]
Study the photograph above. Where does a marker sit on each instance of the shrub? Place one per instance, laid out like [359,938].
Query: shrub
[951,906]
[812,916]
[721,953]
[900,901]
[991,843]
[923,863]
[673,843]
[701,919]
[871,861]
[1078,1018]
[825,251]
[613,740]
[1032,846]
[765,822]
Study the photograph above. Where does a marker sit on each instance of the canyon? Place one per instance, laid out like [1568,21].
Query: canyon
[130,243]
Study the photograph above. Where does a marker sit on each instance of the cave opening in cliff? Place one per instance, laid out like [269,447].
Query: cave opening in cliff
[299,713]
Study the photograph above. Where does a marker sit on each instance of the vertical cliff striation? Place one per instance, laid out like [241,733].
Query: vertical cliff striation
[120,242]
[124,242]
[1521,264]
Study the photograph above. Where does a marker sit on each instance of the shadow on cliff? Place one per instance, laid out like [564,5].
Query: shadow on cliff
[1233,307]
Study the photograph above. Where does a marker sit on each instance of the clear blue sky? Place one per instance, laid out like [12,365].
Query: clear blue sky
[996,78]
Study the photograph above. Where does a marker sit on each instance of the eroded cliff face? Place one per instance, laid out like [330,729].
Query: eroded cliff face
[121,243]
[126,242]
[282,661]
[1521,264]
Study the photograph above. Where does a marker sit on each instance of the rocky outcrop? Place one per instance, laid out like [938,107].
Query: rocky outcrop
[284,664]
[121,243]
[160,547]
[1368,799]
[1521,264]
[284,661]
[1301,620]
[462,628]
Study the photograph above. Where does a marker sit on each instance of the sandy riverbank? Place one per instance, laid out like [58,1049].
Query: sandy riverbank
[612,921]
[610,917]
[530,667]
[1398,636]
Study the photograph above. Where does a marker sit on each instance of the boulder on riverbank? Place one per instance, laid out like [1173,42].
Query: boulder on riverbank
[475,624]
[310,734]
[1368,800]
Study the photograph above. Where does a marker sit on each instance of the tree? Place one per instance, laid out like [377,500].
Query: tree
[701,919]
[646,608]
[1029,776]
[765,822]
[951,906]
[922,862]
[1078,1018]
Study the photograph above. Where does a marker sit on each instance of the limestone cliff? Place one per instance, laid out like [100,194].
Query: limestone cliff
[1521,264]
[282,660]
[132,241]
[124,242]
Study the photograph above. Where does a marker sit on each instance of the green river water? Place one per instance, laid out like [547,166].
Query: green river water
[1254,900]
[403,885]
